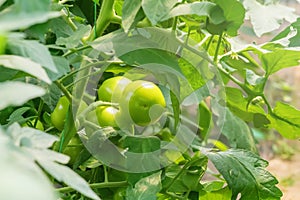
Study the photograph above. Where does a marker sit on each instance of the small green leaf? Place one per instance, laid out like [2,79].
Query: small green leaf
[234,14]
[25,65]
[286,120]
[279,59]
[221,194]
[20,94]
[156,10]
[34,50]
[195,8]
[245,173]
[129,11]
[145,188]
[75,39]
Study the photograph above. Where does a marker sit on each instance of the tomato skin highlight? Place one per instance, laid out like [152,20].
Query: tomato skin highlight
[106,116]
[111,89]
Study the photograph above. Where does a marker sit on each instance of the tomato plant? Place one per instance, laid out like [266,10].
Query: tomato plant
[140,95]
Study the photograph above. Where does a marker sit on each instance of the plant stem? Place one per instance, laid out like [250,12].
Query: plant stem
[104,19]
[97,186]
[39,112]
[218,47]
[64,90]
[71,51]
[174,25]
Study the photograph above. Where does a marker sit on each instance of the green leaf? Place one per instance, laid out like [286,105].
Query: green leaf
[205,119]
[36,143]
[286,120]
[273,15]
[18,167]
[146,188]
[240,106]
[221,194]
[16,116]
[195,8]
[279,59]
[156,10]
[144,150]
[25,65]
[129,12]
[33,50]
[245,173]
[235,129]
[68,176]
[15,20]
[189,175]
[234,14]
[17,93]
[32,5]
[62,65]
[75,39]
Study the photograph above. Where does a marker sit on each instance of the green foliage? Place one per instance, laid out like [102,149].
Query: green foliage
[214,88]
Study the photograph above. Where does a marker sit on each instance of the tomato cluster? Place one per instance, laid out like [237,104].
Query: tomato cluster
[140,102]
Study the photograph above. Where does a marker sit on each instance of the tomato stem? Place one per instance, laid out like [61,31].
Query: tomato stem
[97,186]
[64,90]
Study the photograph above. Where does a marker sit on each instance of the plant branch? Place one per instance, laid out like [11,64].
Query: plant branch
[64,90]
[97,186]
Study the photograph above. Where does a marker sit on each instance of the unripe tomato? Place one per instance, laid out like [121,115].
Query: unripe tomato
[3,42]
[106,116]
[142,102]
[111,89]
[58,116]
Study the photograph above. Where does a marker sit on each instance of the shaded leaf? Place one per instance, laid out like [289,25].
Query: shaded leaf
[21,93]
[235,129]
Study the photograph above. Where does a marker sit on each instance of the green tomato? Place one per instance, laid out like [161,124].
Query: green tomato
[106,116]
[3,42]
[58,116]
[142,102]
[39,124]
[111,89]
[73,149]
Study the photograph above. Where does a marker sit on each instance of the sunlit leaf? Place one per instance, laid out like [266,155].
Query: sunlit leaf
[25,65]
[266,18]
[18,93]
[33,50]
